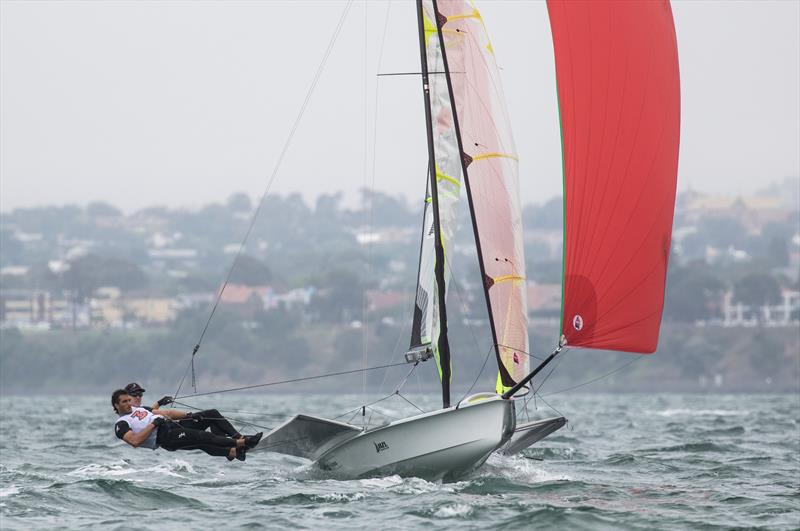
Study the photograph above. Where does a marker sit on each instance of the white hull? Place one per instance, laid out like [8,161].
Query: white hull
[443,444]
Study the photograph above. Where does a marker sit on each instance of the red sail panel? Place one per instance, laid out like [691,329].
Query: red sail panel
[619,101]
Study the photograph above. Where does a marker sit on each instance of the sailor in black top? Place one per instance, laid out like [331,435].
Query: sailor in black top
[140,427]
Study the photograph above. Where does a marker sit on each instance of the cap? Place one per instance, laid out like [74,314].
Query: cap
[134,388]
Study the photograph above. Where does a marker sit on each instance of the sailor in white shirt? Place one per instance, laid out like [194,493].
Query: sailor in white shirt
[140,427]
[197,420]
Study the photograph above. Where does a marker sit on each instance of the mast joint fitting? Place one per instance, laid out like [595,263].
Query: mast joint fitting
[416,355]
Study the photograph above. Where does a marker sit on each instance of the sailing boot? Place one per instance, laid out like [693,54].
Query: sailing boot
[251,441]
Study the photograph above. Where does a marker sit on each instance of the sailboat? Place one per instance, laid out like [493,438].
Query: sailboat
[619,105]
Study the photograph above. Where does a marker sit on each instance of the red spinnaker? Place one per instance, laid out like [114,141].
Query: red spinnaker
[619,100]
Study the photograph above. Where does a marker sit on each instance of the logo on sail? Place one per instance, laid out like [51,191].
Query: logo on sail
[577,322]
[380,446]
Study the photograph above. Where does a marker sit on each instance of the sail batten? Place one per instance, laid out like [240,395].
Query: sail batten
[619,107]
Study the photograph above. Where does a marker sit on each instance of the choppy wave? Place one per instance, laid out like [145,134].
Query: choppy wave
[9,491]
[177,468]
[684,412]
[681,461]
[313,499]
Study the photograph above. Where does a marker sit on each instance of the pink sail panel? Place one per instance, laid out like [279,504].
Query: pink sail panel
[492,172]
[619,100]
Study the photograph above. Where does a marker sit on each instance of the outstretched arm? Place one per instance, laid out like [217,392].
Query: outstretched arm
[124,432]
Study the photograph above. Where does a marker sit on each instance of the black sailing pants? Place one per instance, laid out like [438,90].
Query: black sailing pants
[173,436]
[210,418]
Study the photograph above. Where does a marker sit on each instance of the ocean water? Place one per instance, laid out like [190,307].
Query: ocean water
[623,461]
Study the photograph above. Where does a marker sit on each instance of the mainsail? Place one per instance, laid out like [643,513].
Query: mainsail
[473,139]
[490,163]
[619,102]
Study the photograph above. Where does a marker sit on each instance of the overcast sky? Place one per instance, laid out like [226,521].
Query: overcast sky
[183,103]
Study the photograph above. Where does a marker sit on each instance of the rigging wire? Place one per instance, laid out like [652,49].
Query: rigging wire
[410,402]
[552,370]
[371,223]
[357,409]
[360,409]
[535,392]
[550,406]
[485,360]
[292,380]
[606,375]
[400,385]
[400,336]
[275,169]
[243,422]
[276,416]
[372,411]
[364,297]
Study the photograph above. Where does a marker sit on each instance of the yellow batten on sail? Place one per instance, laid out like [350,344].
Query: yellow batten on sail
[506,278]
[494,156]
[499,387]
[441,176]
[475,14]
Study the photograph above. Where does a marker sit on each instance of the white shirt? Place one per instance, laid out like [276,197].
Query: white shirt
[138,419]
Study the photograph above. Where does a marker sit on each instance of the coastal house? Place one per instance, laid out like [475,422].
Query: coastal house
[41,310]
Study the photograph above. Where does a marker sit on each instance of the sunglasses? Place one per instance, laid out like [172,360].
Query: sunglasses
[136,395]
